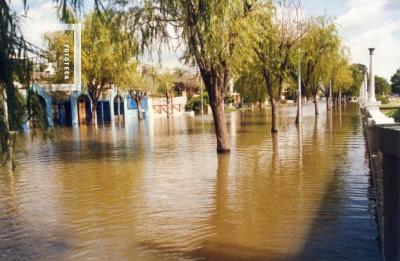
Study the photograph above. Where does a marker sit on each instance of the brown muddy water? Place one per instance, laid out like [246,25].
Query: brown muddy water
[158,191]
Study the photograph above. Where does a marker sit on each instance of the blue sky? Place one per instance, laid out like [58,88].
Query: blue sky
[362,24]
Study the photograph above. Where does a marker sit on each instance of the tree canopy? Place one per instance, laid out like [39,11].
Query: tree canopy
[320,45]
[382,86]
[395,81]
[15,109]
[357,71]
[268,43]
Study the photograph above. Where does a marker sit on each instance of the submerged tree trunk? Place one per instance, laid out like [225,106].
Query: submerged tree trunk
[171,103]
[316,105]
[274,113]
[93,119]
[328,106]
[273,101]
[138,99]
[94,93]
[4,127]
[12,108]
[8,136]
[299,103]
[137,96]
[167,96]
[215,87]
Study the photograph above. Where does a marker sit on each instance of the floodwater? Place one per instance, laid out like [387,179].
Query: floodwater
[158,191]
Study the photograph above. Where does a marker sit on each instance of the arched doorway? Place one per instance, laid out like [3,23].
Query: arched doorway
[84,110]
[119,108]
[62,113]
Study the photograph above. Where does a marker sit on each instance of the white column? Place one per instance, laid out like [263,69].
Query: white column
[77,57]
[371,97]
[365,86]
[362,93]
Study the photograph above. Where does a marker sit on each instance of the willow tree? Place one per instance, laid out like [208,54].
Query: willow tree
[251,88]
[357,70]
[341,77]
[130,79]
[269,41]
[11,106]
[206,30]
[106,49]
[320,44]
[166,83]
[14,74]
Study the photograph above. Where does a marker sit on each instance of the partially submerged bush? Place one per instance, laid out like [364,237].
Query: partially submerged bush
[229,99]
[395,114]
[194,103]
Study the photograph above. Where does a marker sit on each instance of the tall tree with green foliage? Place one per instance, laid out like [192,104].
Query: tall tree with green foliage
[206,29]
[15,75]
[166,84]
[357,71]
[320,44]
[341,77]
[251,89]
[395,81]
[382,86]
[106,51]
[138,82]
[268,47]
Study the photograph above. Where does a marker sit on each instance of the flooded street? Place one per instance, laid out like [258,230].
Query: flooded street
[158,191]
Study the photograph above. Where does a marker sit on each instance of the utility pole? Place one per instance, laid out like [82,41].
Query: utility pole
[298,118]
[299,91]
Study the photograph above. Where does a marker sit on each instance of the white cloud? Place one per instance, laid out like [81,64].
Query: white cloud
[373,24]
[39,19]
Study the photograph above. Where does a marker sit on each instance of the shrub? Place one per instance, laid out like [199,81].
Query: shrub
[229,99]
[395,114]
[194,103]
[383,99]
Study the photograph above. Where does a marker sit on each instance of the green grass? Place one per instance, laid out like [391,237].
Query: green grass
[391,105]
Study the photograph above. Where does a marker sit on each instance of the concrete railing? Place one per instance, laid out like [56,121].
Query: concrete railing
[383,138]
[375,116]
[159,106]
[387,145]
